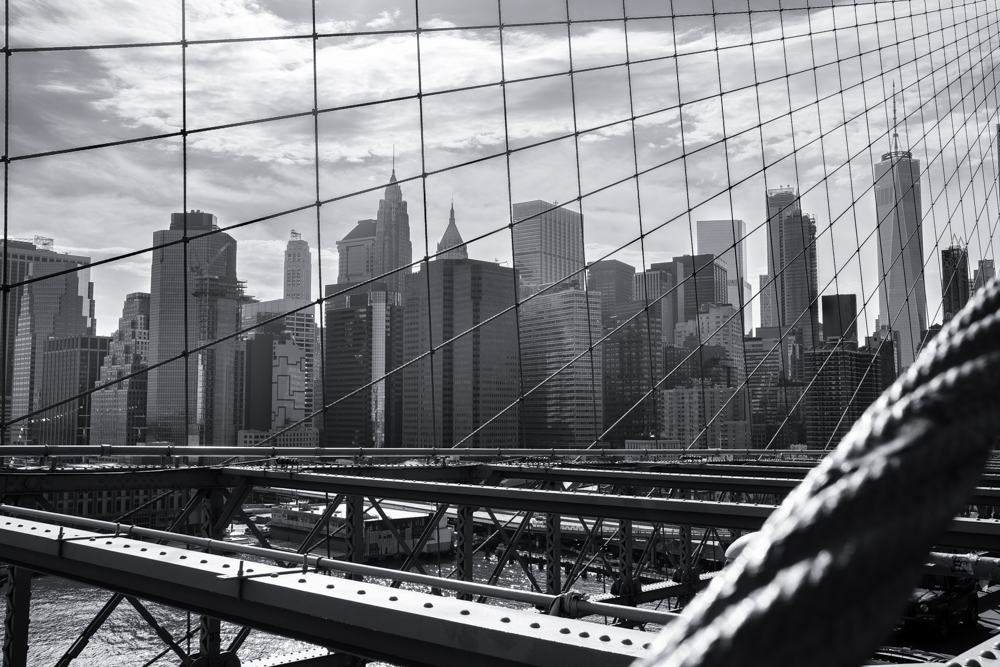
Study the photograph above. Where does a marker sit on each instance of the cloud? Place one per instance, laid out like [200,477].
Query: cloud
[121,195]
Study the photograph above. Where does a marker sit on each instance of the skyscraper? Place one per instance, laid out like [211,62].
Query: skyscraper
[298,268]
[781,202]
[392,248]
[19,257]
[901,295]
[633,364]
[193,402]
[840,313]
[451,245]
[614,280]
[799,282]
[955,285]
[700,280]
[565,407]
[985,273]
[72,366]
[845,382]
[364,329]
[657,287]
[726,240]
[474,378]
[548,244]
[791,300]
[57,306]
[356,253]
[118,411]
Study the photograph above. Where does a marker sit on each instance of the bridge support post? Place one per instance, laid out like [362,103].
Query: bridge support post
[354,532]
[17,594]
[624,586]
[464,546]
[553,554]
[211,630]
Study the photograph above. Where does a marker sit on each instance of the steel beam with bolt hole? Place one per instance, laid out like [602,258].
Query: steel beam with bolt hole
[376,622]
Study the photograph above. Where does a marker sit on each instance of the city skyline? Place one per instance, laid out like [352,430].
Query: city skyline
[353,158]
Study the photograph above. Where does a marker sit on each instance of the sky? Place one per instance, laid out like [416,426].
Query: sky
[705,137]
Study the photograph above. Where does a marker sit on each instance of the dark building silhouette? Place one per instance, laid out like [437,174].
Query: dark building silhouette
[780,203]
[472,379]
[451,245]
[633,365]
[192,401]
[657,288]
[955,285]
[845,382]
[798,283]
[700,280]
[985,273]
[118,412]
[840,313]
[72,366]
[615,281]
[364,337]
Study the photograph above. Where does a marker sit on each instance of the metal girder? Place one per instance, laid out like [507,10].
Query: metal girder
[694,512]
[31,482]
[17,594]
[378,622]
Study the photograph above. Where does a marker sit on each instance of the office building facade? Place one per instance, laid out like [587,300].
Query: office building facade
[118,409]
[902,297]
[614,280]
[194,300]
[548,245]
[298,268]
[955,284]
[840,315]
[633,365]
[726,240]
[72,366]
[472,380]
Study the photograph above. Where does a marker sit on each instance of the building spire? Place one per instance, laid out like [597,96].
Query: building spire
[895,134]
[451,245]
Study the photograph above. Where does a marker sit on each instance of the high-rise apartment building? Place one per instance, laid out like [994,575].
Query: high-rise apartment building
[955,285]
[726,240]
[704,416]
[118,409]
[845,381]
[451,245]
[840,314]
[19,257]
[901,295]
[548,244]
[769,307]
[298,319]
[191,400]
[615,282]
[298,268]
[633,365]
[781,202]
[566,409]
[72,366]
[393,251]
[719,324]
[56,306]
[474,378]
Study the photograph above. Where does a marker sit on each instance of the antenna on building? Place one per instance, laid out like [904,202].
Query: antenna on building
[895,134]
[296,236]
[394,158]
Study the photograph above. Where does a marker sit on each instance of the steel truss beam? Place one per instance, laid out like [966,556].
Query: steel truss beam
[376,622]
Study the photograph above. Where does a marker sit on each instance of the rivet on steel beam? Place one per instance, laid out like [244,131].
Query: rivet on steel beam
[330,586]
[393,598]
[564,631]
[302,581]
[584,634]
[988,654]
[627,641]
[972,662]
[646,645]
[505,620]
[605,638]
[361,592]
[535,625]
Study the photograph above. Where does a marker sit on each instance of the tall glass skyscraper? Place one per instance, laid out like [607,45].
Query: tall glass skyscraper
[548,244]
[725,240]
[393,249]
[902,299]
[194,299]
